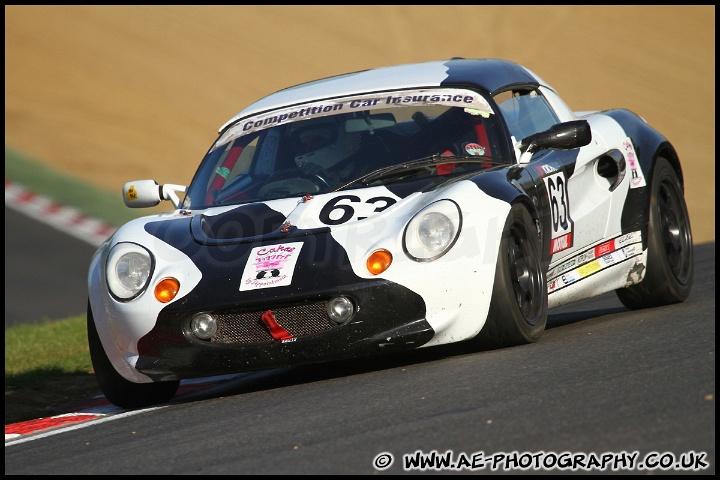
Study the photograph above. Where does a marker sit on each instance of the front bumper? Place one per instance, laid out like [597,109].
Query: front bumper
[389,317]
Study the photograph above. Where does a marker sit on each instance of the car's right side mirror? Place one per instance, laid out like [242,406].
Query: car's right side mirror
[563,136]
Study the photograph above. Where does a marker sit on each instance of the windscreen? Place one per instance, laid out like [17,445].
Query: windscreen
[321,146]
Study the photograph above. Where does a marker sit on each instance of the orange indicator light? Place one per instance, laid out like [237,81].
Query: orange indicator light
[166,289]
[379,261]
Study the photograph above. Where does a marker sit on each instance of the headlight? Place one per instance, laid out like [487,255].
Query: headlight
[128,270]
[432,231]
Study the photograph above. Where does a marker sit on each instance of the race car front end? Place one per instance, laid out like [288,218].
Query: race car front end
[292,289]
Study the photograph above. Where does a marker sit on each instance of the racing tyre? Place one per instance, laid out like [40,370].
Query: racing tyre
[670,262]
[519,305]
[115,387]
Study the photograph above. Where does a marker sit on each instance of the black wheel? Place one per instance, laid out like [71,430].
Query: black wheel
[670,264]
[519,305]
[115,387]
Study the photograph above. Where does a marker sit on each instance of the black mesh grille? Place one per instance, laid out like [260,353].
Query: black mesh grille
[248,327]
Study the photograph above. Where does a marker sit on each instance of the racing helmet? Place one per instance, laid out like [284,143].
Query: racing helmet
[324,143]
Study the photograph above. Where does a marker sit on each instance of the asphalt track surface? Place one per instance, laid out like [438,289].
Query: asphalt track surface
[603,380]
[45,271]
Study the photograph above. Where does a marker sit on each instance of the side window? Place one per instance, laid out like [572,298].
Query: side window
[526,112]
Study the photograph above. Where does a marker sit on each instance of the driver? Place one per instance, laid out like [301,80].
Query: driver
[322,145]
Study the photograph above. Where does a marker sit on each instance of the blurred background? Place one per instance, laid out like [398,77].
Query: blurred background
[109,94]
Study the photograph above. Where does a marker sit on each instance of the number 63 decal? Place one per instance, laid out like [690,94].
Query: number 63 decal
[562,224]
[343,208]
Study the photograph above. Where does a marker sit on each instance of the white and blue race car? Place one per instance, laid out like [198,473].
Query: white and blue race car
[386,210]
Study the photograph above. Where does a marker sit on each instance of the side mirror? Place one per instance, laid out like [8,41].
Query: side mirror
[147,193]
[563,136]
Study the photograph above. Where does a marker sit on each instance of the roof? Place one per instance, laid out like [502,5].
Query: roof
[490,75]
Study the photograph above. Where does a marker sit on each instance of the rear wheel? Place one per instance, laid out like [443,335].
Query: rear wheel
[669,274]
[115,387]
[518,309]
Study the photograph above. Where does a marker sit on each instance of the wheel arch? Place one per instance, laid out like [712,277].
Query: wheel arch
[649,145]
[524,192]
[667,151]
[525,201]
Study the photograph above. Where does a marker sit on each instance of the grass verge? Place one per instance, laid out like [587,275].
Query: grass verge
[47,365]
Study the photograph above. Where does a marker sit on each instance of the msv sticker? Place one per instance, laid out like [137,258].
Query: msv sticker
[270,266]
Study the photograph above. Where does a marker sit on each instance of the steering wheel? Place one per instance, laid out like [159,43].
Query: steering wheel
[292,182]
[315,173]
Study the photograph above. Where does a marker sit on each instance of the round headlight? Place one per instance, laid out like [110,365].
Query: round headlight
[432,231]
[435,231]
[133,270]
[129,267]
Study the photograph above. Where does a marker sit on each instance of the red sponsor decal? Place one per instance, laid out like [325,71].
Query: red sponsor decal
[604,248]
[561,243]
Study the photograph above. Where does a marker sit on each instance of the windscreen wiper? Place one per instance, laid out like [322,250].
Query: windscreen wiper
[412,167]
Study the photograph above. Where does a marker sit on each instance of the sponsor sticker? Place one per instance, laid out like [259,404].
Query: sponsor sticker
[474,149]
[546,169]
[563,267]
[570,277]
[604,248]
[594,259]
[560,243]
[610,258]
[632,250]
[270,266]
[589,268]
[586,256]
[627,239]
[637,179]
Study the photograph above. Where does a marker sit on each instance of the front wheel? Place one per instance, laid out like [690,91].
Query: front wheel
[519,304]
[115,387]
[669,274]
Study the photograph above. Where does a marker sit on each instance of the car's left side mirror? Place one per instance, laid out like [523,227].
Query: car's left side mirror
[563,136]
